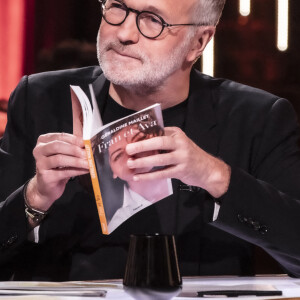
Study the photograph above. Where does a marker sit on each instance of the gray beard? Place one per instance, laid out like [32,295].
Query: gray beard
[150,76]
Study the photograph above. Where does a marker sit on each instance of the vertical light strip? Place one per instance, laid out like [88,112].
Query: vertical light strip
[208,59]
[245,7]
[282,24]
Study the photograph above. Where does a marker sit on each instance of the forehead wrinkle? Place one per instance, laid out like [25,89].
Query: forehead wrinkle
[182,11]
[150,8]
[166,9]
[176,12]
[155,10]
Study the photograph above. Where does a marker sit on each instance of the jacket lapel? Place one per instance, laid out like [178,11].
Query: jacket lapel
[195,203]
[201,119]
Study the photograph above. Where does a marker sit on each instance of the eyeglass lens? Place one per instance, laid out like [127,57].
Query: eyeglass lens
[115,12]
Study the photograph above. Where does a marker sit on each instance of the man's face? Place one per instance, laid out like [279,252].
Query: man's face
[129,59]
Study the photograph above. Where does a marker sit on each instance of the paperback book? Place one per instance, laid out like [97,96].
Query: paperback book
[117,195]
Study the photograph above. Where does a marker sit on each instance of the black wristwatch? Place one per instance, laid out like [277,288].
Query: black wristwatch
[33,214]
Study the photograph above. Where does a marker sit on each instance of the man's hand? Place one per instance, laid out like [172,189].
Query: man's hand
[58,156]
[182,159]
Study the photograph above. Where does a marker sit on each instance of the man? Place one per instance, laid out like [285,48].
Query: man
[230,150]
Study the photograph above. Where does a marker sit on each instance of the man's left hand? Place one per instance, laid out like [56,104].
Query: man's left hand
[181,159]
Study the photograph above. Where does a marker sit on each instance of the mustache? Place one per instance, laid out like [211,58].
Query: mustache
[123,49]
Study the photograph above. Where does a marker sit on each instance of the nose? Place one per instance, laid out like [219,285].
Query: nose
[128,32]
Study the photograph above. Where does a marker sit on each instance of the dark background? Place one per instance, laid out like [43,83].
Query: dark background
[245,46]
[245,50]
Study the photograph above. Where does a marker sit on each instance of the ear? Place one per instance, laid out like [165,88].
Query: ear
[201,39]
[115,176]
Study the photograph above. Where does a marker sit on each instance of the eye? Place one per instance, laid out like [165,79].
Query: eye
[150,19]
[154,19]
[115,5]
[115,156]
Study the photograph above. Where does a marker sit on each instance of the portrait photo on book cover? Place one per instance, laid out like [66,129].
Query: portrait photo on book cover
[122,196]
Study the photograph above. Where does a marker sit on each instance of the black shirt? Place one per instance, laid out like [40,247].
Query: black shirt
[173,116]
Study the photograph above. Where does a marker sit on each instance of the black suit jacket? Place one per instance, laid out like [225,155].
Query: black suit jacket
[255,132]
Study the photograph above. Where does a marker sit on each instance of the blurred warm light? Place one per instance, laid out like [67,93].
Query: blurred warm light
[245,7]
[11,44]
[208,58]
[3,121]
[283,24]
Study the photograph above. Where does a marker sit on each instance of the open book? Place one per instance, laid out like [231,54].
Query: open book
[117,195]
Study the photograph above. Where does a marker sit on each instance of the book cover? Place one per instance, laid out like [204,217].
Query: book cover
[118,196]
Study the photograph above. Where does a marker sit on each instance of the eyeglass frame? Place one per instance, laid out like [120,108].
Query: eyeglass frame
[138,13]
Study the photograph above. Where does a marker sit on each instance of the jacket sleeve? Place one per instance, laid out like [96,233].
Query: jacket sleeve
[263,206]
[16,167]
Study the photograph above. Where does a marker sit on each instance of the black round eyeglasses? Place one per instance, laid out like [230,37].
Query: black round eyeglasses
[149,24]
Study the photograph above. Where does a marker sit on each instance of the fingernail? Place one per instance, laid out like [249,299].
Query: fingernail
[130,163]
[129,149]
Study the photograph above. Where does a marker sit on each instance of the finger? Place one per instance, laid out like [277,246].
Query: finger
[61,161]
[172,130]
[59,147]
[156,175]
[62,136]
[60,174]
[157,160]
[69,172]
[156,143]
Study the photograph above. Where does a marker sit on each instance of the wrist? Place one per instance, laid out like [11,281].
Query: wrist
[34,216]
[33,198]
[219,179]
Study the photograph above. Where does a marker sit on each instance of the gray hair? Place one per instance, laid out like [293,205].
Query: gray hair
[208,12]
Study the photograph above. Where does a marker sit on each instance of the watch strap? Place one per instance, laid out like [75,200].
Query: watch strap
[32,213]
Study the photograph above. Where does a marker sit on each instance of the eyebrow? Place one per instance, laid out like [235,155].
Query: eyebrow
[151,8]
[155,10]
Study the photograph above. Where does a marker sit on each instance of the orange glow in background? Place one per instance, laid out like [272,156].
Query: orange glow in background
[12,20]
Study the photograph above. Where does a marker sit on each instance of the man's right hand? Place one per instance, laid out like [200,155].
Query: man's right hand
[58,156]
